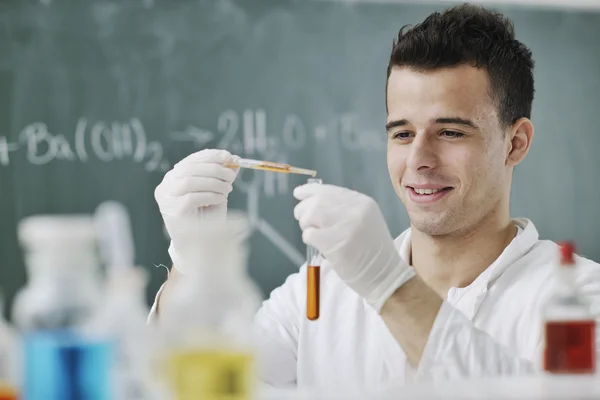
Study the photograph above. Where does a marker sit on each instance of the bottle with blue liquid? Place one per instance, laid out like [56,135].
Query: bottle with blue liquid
[63,358]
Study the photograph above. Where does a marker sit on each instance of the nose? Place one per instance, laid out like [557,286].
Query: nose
[422,154]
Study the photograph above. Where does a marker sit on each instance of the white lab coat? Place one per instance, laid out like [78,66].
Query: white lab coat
[489,328]
[492,327]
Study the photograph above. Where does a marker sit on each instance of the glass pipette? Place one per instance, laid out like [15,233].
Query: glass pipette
[270,166]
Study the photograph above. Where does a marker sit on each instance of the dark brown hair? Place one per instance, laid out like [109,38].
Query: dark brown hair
[469,34]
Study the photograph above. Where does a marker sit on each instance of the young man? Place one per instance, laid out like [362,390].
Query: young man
[458,294]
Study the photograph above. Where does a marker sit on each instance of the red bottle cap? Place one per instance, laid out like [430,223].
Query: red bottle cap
[567,253]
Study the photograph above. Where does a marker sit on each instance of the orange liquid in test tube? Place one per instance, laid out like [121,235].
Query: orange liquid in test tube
[313,277]
[313,292]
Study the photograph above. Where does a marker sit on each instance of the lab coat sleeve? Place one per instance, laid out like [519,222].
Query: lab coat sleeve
[276,331]
[457,349]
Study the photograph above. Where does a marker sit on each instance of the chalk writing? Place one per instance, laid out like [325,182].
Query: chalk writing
[101,140]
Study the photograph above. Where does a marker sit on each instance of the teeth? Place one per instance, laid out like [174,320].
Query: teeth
[427,191]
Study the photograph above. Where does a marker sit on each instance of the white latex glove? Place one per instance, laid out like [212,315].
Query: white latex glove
[348,229]
[195,189]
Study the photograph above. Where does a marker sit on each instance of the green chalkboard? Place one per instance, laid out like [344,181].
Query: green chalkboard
[99,98]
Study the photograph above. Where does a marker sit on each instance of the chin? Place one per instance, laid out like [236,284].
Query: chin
[439,225]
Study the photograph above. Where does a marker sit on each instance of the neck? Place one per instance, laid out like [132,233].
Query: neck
[457,259]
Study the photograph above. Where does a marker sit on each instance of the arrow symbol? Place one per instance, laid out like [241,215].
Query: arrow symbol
[200,137]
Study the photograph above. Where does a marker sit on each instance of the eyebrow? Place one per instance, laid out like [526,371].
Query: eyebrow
[456,121]
[447,120]
[395,124]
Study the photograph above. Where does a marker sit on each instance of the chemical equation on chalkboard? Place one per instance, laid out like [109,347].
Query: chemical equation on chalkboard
[248,133]
[100,140]
[244,133]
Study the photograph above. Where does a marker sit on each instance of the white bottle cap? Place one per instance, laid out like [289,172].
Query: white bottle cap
[54,230]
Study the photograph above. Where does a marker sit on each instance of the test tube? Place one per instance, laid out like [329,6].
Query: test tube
[313,277]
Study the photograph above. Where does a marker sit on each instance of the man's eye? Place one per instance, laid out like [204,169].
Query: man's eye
[452,134]
[402,135]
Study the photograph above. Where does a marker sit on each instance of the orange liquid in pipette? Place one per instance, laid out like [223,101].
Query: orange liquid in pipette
[278,167]
[313,291]
[274,167]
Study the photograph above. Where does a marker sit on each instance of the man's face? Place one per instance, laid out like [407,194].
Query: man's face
[446,151]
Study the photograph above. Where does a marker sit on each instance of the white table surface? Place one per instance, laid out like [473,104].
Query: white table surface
[534,388]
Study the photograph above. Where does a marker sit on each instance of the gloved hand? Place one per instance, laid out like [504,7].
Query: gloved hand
[348,229]
[195,189]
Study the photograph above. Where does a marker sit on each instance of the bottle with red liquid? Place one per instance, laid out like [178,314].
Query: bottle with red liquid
[570,328]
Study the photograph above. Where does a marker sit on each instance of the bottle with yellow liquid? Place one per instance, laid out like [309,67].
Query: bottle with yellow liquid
[206,321]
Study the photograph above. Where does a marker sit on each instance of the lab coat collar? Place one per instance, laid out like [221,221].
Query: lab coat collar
[516,249]
[392,353]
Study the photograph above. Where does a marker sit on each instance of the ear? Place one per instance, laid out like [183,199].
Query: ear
[519,137]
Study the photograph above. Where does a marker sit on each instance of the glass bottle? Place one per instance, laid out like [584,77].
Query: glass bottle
[206,322]
[569,334]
